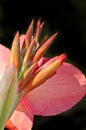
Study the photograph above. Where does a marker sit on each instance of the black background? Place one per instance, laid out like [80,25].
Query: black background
[68,17]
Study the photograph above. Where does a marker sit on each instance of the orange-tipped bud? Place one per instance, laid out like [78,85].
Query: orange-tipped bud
[15,52]
[29,52]
[43,75]
[43,49]
[39,29]
[29,71]
[29,34]
[27,76]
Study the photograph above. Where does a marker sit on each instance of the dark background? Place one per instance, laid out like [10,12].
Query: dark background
[68,17]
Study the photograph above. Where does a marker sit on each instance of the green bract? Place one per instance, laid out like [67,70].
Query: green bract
[8,94]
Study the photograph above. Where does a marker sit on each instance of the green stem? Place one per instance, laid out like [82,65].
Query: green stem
[1,126]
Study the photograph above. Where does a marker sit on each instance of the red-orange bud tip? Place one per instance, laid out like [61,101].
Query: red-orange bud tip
[62,57]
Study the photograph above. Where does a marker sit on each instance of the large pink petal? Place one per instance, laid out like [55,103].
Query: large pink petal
[4,59]
[21,118]
[58,94]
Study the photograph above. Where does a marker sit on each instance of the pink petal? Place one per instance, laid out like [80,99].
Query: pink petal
[42,61]
[60,93]
[4,59]
[21,118]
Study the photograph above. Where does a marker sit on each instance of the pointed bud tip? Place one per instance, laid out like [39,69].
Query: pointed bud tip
[16,37]
[39,21]
[32,22]
[17,34]
[54,36]
[63,57]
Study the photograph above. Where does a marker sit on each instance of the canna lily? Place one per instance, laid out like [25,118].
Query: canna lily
[31,84]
